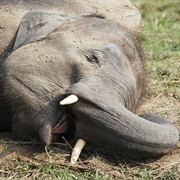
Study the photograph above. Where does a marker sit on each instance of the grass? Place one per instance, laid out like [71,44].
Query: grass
[160,37]
[96,168]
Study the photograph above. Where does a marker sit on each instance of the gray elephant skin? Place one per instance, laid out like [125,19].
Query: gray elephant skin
[54,54]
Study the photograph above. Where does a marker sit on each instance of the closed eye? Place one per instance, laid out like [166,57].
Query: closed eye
[93,59]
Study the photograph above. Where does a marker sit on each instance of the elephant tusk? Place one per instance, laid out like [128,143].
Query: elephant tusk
[77,150]
[69,100]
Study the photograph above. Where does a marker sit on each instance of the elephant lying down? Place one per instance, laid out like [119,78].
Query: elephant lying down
[81,76]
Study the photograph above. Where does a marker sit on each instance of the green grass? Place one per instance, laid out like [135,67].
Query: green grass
[18,169]
[160,37]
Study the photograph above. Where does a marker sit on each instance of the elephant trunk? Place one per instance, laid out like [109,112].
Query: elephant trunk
[123,132]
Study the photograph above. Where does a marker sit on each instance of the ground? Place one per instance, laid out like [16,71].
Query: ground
[160,36]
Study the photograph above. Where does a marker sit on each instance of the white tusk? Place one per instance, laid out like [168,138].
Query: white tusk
[77,150]
[69,100]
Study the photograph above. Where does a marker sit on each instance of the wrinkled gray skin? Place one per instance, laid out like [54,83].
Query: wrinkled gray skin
[98,60]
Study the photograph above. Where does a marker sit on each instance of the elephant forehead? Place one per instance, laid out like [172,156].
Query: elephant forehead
[88,31]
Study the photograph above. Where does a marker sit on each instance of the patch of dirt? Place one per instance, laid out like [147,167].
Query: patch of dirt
[169,108]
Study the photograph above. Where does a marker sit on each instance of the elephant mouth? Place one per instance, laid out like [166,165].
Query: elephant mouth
[69,123]
[63,124]
[67,118]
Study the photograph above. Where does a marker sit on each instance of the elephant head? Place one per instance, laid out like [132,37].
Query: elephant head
[83,76]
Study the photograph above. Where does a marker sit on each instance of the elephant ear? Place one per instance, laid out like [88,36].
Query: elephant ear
[122,12]
[35,26]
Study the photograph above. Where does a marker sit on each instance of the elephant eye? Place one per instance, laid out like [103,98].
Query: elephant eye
[93,58]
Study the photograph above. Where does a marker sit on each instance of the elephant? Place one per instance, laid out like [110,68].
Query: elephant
[74,69]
